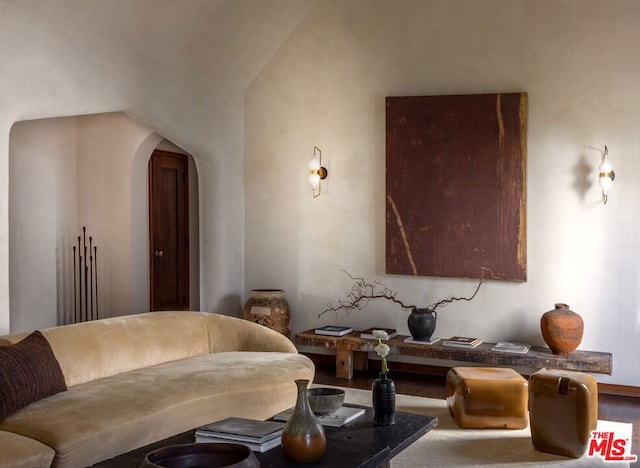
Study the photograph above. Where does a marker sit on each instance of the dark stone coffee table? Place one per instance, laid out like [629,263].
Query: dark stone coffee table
[357,444]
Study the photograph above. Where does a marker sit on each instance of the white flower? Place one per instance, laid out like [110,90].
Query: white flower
[380,334]
[383,349]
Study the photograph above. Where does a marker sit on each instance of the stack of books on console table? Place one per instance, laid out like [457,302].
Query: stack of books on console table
[333,330]
[509,347]
[462,342]
[430,341]
[368,333]
[259,436]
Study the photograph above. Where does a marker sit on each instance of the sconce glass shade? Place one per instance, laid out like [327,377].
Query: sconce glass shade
[314,180]
[606,175]
[314,168]
[317,173]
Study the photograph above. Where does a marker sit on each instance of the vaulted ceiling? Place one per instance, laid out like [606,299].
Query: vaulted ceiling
[229,40]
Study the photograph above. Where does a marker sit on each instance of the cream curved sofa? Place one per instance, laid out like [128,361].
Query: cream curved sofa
[137,379]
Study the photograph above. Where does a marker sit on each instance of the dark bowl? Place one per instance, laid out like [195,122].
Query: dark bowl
[324,400]
[202,456]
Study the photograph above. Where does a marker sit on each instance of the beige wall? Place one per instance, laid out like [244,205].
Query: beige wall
[66,173]
[107,144]
[327,87]
[67,59]
[42,213]
[45,68]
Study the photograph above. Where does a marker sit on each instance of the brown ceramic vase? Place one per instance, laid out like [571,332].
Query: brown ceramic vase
[562,329]
[270,308]
[303,438]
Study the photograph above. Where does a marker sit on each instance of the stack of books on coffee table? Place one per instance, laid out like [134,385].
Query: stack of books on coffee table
[344,415]
[259,436]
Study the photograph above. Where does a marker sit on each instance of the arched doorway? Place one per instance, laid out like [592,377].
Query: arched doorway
[142,254]
[69,172]
[168,231]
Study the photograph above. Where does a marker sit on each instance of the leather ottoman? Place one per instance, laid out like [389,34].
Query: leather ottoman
[563,408]
[487,397]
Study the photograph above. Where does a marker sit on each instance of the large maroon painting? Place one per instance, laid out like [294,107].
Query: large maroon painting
[456,185]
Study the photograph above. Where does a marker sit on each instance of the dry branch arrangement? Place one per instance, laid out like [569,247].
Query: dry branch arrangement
[363,292]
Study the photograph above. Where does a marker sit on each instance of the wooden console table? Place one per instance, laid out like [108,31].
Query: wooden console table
[352,353]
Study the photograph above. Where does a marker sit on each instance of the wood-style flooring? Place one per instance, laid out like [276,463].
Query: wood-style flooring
[610,407]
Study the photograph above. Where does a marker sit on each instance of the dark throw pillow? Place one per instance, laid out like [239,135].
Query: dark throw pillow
[29,371]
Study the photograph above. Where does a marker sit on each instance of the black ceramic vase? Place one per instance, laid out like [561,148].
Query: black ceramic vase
[303,438]
[384,401]
[422,324]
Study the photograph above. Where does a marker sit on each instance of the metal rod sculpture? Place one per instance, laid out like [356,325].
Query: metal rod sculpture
[75,305]
[85,296]
[86,268]
[95,264]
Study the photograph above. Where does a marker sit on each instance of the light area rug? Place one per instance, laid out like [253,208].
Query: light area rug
[451,446]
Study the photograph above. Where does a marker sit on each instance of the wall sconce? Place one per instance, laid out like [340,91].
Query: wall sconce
[317,173]
[606,176]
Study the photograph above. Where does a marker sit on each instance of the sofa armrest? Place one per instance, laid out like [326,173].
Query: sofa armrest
[20,451]
[234,334]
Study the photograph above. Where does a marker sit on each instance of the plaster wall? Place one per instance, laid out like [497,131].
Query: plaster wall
[327,86]
[43,213]
[66,173]
[180,69]
[92,171]
[49,72]
[107,144]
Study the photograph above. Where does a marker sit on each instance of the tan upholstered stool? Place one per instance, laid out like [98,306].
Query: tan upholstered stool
[563,408]
[487,397]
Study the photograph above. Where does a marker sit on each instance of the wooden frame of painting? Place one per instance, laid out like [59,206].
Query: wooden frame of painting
[456,185]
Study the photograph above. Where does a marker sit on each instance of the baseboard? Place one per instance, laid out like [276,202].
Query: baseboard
[411,368]
[619,390]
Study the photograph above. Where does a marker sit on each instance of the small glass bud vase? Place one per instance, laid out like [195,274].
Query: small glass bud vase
[384,401]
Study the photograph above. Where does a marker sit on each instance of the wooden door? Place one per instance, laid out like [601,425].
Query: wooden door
[169,231]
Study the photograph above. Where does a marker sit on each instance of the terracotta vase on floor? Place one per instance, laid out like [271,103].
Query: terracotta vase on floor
[562,329]
[270,308]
